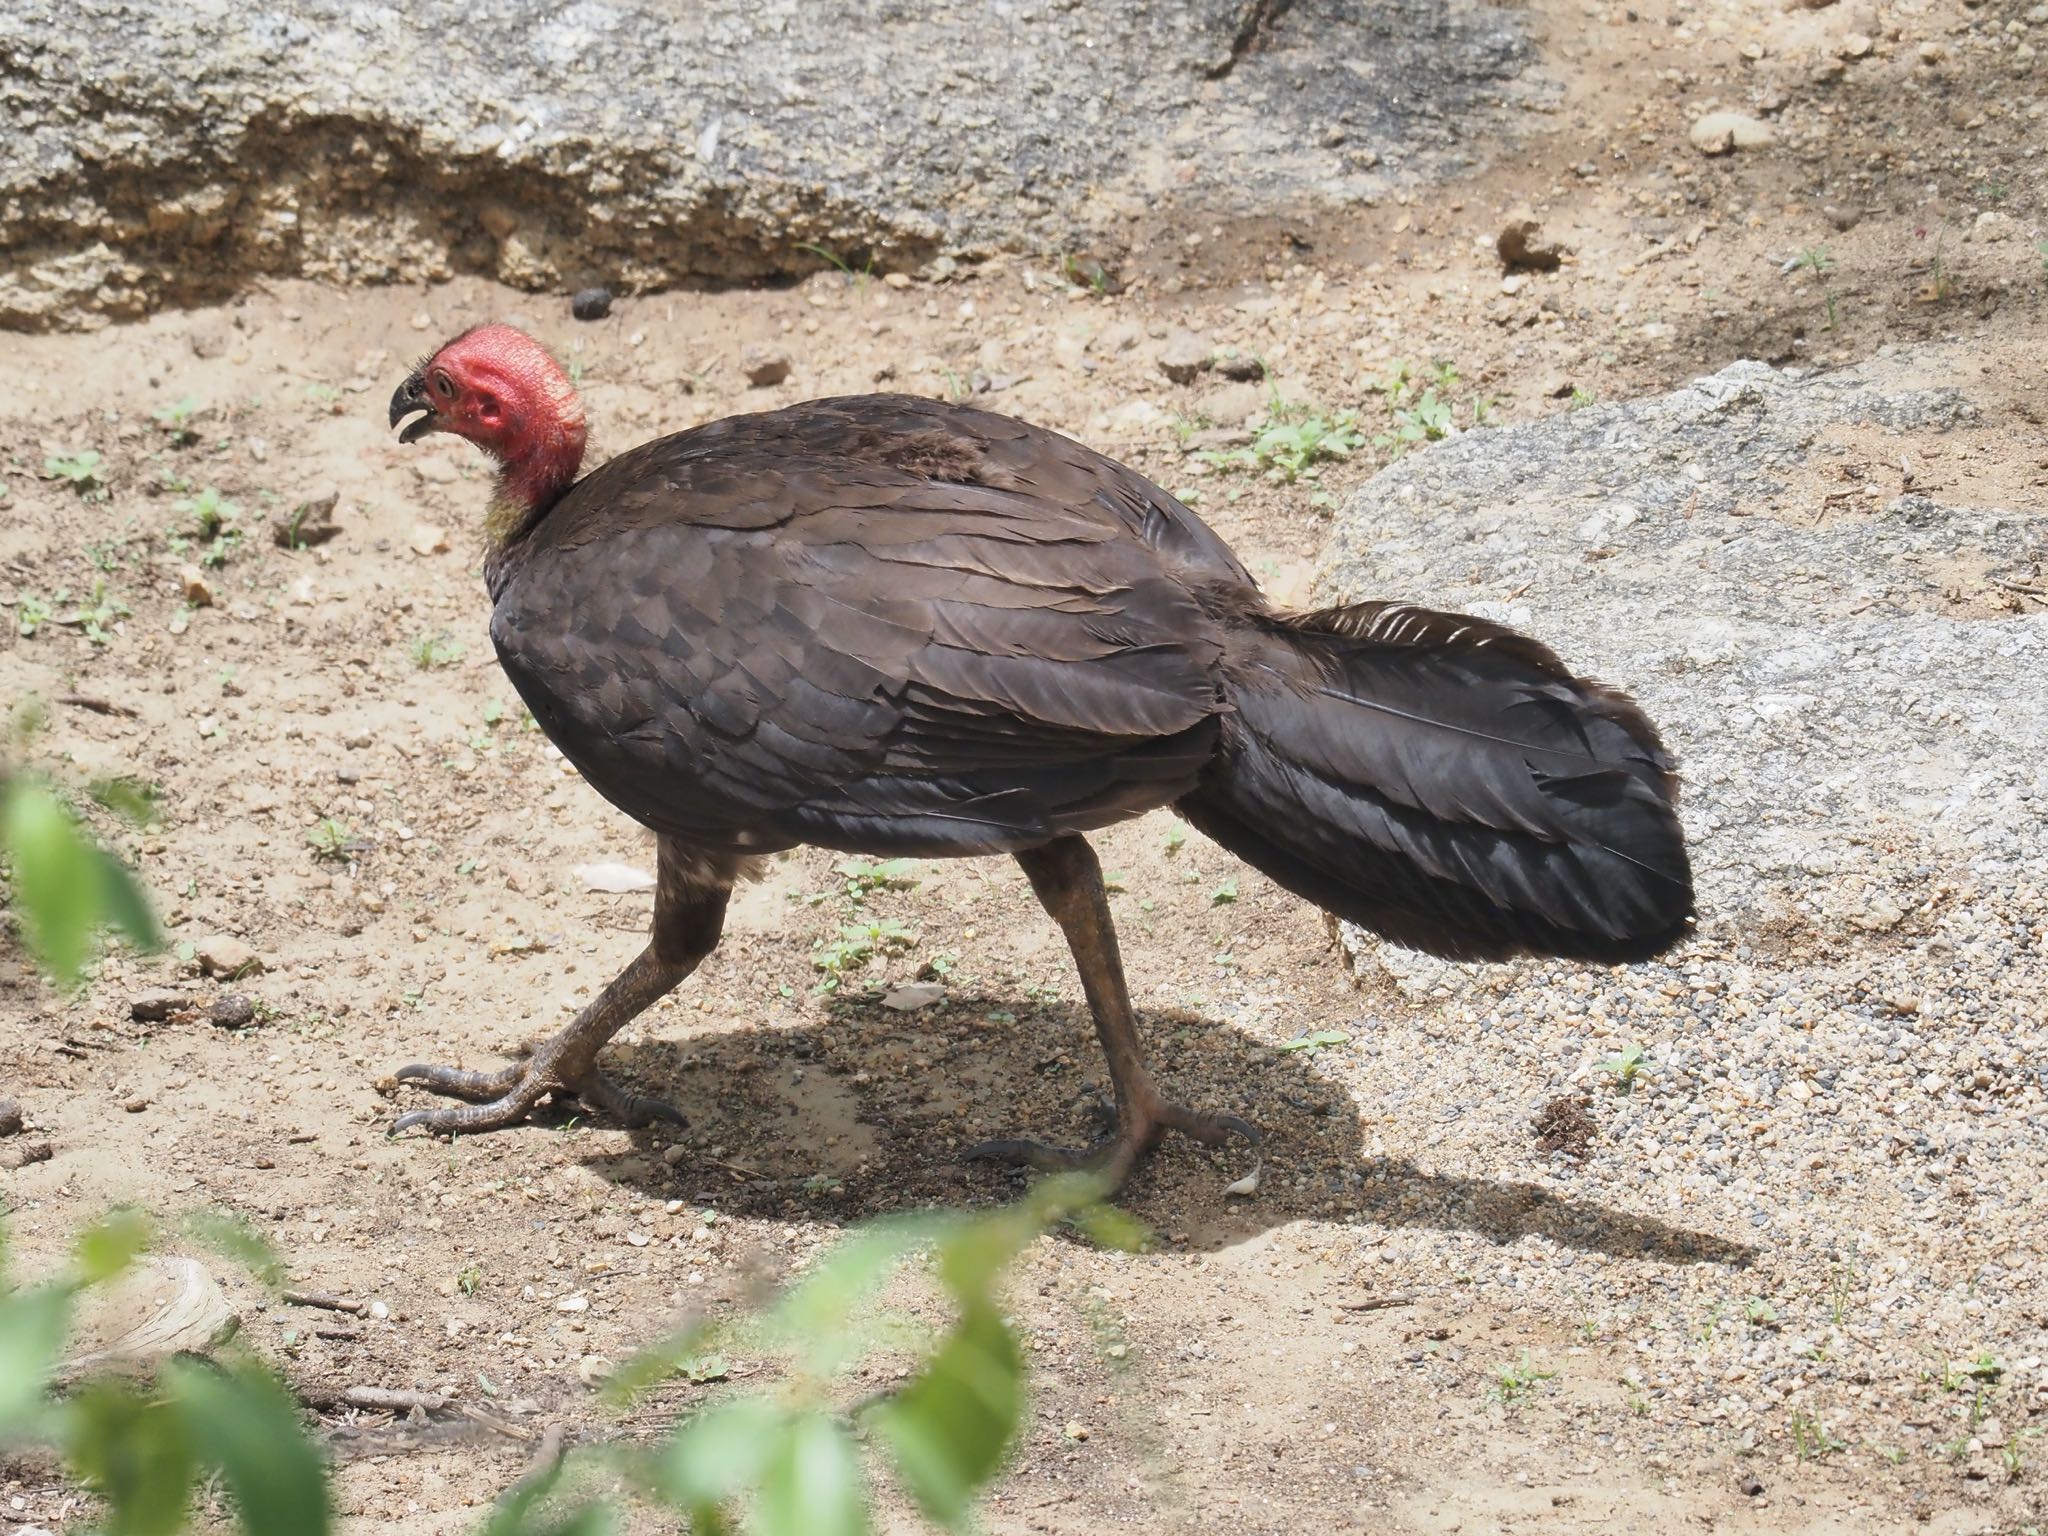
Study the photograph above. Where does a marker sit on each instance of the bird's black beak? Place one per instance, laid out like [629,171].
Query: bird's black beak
[409,397]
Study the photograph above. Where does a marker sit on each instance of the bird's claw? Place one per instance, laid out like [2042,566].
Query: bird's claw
[507,1097]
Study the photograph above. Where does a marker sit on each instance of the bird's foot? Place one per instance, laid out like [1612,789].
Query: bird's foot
[499,1099]
[1138,1127]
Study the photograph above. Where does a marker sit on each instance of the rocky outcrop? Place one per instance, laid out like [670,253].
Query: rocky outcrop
[170,150]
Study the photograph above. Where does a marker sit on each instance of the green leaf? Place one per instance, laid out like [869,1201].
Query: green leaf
[104,1250]
[817,1314]
[133,798]
[714,1457]
[136,1453]
[811,1483]
[33,1324]
[55,893]
[244,1423]
[233,1238]
[950,1429]
[1316,1041]
[64,885]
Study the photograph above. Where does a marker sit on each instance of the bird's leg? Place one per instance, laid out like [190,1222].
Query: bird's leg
[689,913]
[1068,881]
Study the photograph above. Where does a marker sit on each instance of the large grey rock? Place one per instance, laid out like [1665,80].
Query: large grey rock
[1859,704]
[167,150]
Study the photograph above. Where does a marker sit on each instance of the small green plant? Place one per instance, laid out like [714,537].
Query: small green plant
[1841,1289]
[471,1278]
[1224,894]
[176,421]
[96,622]
[1759,1313]
[857,277]
[1085,272]
[1319,1040]
[331,840]
[1625,1066]
[2042,247]
[1512,1383]
[1941,284]
[1294,440]
[32,614]
[856,945]
[863,879]
[1811,1440]
[1817,260]
[429,652]
[210,526]
[1580,399]
[80,471]
[1176,837]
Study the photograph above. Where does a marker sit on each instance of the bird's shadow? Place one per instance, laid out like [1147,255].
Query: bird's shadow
[873,1111]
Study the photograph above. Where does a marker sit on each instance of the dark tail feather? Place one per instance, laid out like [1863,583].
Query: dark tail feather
[1446,783]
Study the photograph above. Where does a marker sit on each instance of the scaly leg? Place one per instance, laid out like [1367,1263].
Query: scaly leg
[689,913]
[1068,881]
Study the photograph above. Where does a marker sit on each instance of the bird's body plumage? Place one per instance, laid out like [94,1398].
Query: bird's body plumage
[896,626]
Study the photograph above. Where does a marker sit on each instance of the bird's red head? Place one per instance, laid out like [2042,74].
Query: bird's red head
[499,388]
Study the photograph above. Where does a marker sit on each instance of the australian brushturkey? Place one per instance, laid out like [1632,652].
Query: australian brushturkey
[894,626]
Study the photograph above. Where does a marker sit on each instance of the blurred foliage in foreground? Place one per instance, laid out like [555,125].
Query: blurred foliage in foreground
[64,887]
[782,1462]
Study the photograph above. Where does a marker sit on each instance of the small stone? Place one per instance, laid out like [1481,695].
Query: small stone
[19,1154]
[594,1370]
[590,303]
[913,995]
[1719,132]
[193,583]
[310,520]
[379,1310]
[1843,219]
[1185,355]
[1856,45]
[674,1153]
[1075,1430]
[155,1005]
[573,1304]
[1231,405]
[428,539]
[1932,52]
[1522,244]
[764,365]
[231,1010]
[1751,1485]
[135,1105]
[1242,367]
[222,955]
[896,280]
[10,1117]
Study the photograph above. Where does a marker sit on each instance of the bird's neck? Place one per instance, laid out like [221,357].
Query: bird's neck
[530,482]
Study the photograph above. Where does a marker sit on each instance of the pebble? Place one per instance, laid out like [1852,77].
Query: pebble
[310,520]
[155,1005]
[1720,132]
[764,365]
[231,1010]
[1232,405]
[578,1303]
[19,1154]
[10,1117]
[193,584]
[1523,245]
[594,1370]
[590,303]
[428,539]
[223,955]
[379,1310]
[1184,356]
[136,1104]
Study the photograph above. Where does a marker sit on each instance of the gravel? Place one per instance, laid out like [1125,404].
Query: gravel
[1845,1076]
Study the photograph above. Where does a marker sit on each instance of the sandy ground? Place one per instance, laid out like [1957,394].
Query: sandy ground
[349,789]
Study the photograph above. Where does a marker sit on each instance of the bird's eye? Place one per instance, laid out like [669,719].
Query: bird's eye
[444,386]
